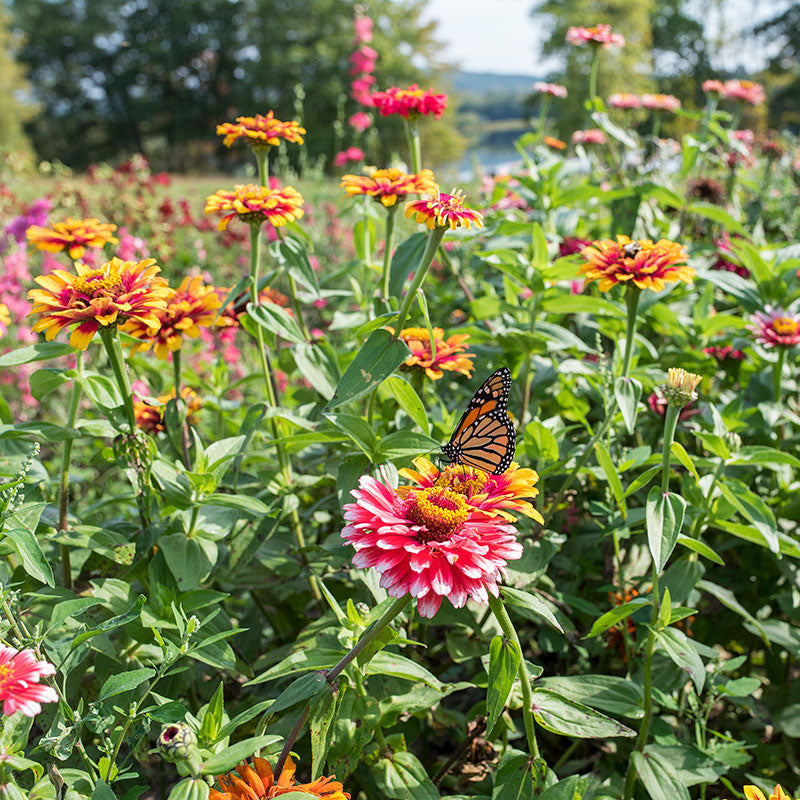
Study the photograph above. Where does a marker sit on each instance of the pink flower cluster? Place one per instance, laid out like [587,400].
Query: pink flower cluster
[661,102]
[352,154]
[598,35]
[746,91]
[362,62]
[624,100]
[589,136]
[553,89]
[724,352]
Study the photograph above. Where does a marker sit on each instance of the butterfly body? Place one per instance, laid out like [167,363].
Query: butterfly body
[484,437]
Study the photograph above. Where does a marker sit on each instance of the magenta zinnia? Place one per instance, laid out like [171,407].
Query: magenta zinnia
[20,690]
[256,204]
[775,327]
[409,103]
[430,544]
[444,211]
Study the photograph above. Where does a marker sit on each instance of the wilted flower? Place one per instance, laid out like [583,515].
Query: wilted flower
[624,100]
[257,782]
[150,418]
[494,494]
[746,91]
[409,103]
[20,689]
[775,327]
[643,263]
[261,131]
[430,544]
[444,211]
[450,354]
[660,102]
[116,292]
[256,204]
[708,190]
[589,136]
[72,235]
[556,144]
[351,154]
[193,305]
[387,185]
[772,149]
[553,89]
[598,35]
[679,390]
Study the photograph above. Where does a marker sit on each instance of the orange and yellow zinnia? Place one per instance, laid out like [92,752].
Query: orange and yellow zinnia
[193,306]
[261,131]
[447,354]
[387,185]
[72,235]
[115,293]
[444,211]
[257,782]
[754,793]
[150,418]
[641,263]
[256,205]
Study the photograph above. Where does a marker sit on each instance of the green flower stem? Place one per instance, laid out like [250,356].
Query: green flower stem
[544,107]
[777,369]
[632,302]
[182,407]
[296,305]
[387,252]
[414,146]
[656,129]
[434,240]
[593,78]
[711,106]
[670,424]
[261,154]
[367,638]
[110,338]
[501,615]
[63,497]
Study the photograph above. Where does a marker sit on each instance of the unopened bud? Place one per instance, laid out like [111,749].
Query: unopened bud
[733,440]
[679,390]
[362,609]
[177,742]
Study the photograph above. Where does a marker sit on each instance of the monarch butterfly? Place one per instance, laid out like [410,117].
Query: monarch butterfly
[484,437]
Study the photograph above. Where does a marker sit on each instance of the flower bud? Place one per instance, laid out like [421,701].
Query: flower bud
[177,742]
[679,390]
[733,441]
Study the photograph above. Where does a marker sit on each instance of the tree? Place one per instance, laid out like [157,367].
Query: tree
[14,111]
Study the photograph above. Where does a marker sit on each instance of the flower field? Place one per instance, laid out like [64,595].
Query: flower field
[362,486]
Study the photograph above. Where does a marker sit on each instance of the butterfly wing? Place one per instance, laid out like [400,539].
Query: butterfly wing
[484,437]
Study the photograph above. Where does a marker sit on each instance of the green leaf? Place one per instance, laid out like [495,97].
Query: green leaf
[298,690]
[401,777]
[641,481]
[700,547]
[189,560]
[276,319]
[189,789]
[516,597]
[627,392]
[384,663]
[680,649]
[21,535]
[540,444]
[615,615]
[124,682]
[405,444]
[405,260]
[612,476]
[680,452]
[46,380]
[658,777]
[102,791]
[514,778]
[242,502]
[318,366]
[408,399]
[41,351]
[764,456]
[504,658]
[607,693]
[320,725]
[377,359]
[292,253]
[664,517]
[716,214]
[566,789]
[358,430]
[235,754]
[577,303]
[568,718]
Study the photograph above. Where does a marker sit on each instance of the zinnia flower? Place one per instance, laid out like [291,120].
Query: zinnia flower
[255,204]
[598,35]
[150,418]
[261,131]
[72,235]
[430,544]
[589,136]
[754,793]
[193,305]
[386,185]
[775,327]
[553,89]
[351,154]
[412,102]
[257,782]
[450,354]
[679,390]
[360,121]
[444,211]
[624,100]
[5,318]
[490,493]
[713,87]
[556,144]
[746,91]
[116,292]
[20,689]
[661,102]
[647,265]
[571,245]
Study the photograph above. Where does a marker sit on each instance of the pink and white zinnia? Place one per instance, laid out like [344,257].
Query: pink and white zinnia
[431,544]
[20,689]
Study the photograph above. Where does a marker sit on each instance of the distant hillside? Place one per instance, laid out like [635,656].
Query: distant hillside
[481,84]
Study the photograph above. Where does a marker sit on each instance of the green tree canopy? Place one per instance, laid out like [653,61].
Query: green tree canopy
[14,111]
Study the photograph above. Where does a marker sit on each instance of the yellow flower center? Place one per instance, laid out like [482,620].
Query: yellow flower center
[785,326]
[5,671]
[462,480]
[443,512]
[97,281]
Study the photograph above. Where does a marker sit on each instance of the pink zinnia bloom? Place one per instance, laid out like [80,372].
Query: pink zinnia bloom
[554,89]
[599,34]
[363,29]
[411,102]
[715,86]
[345,156]
[589,136]
[624,100]
[360,121]
[776,327]
[20,689]
[431,544]
[661,102]
[747,91]
[745,136]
